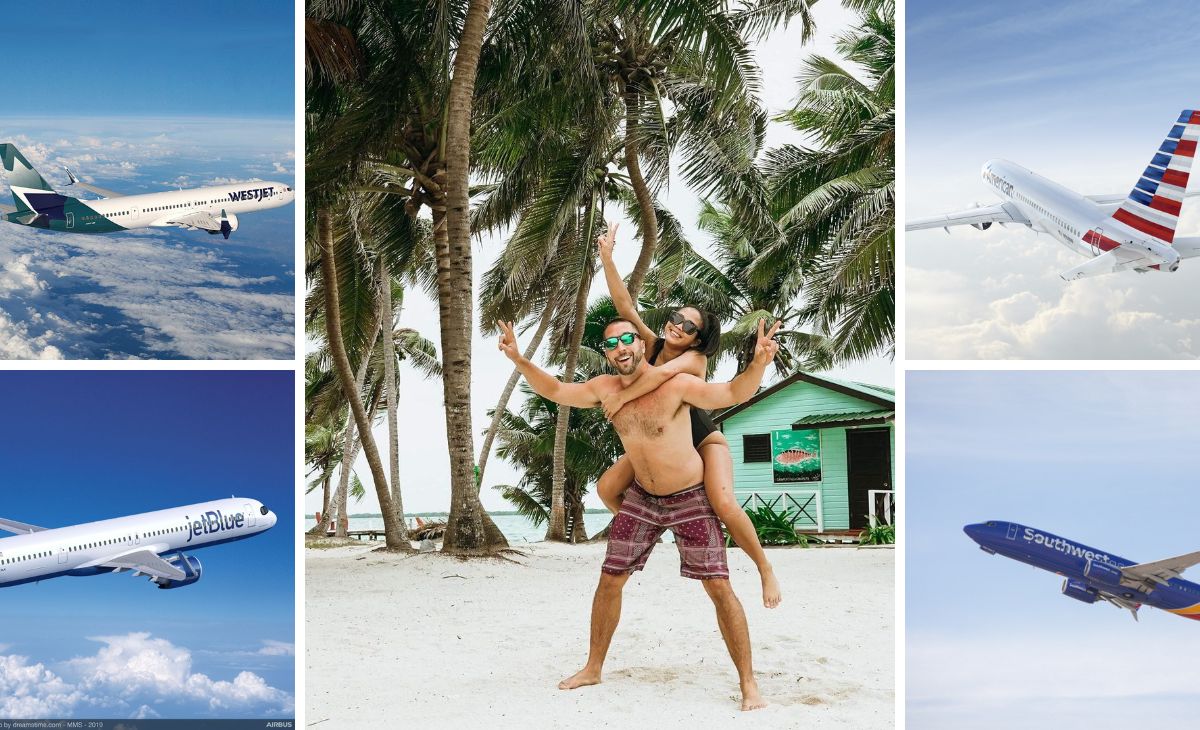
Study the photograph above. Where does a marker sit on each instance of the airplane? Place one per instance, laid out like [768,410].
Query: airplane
[153,544]
[1115,232]
[213,209]
[1092,575]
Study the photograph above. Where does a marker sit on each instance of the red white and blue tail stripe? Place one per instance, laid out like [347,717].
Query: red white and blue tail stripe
[1152,208]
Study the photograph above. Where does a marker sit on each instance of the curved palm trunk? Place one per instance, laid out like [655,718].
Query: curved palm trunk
[391,383]
[337,347]
[323,515]
[557,529]
[648,219]
[352,444]
[465,532]
[509,387]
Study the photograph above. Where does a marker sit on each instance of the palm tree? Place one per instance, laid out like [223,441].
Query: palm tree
[837,204]
[527,440]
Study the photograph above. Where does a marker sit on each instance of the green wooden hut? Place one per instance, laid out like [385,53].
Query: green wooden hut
[819,446]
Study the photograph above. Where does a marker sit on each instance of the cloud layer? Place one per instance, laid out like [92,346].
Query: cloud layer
[136,675]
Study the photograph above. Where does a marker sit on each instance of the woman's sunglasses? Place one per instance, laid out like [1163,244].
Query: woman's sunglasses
[625,339]
[688,326]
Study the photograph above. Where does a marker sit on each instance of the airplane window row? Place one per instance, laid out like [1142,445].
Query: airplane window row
[21,558]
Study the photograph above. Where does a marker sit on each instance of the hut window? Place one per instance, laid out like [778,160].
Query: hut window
[756,447]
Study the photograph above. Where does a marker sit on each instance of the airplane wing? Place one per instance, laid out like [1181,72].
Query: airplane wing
[1118,259]
[978,217]
[18,528]
[92,188]
[143,561]
[1160,571]
[1120,602]
[199,220]
[1115,198]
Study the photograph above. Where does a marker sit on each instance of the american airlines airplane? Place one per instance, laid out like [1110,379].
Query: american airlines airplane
[1092,575]
[1115,232]
[151,544]
[213,209]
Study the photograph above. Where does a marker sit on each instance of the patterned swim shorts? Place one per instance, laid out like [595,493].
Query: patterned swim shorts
[644,517]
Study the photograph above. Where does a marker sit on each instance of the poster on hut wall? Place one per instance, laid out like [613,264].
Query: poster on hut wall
[796,455]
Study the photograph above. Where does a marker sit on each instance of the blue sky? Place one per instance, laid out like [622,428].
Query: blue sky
[1101,458]
[81,446]
[209,58]
[1080,92]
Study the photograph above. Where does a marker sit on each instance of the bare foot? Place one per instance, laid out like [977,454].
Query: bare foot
[770,585]
[751,699]
[583,678]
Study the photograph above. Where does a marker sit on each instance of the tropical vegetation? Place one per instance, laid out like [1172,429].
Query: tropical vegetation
[534,121]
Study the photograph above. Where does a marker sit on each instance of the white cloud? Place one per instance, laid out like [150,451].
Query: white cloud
[277,648]
[137,665]
[58,291]
[30,690]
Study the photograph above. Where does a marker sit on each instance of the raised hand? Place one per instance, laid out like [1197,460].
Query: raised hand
[508,341]
[606,242]
[766,346]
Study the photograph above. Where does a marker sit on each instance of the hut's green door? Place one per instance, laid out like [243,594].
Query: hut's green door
[869,466]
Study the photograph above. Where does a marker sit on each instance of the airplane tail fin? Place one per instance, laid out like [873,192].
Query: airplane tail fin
[23,179]
[1152,207]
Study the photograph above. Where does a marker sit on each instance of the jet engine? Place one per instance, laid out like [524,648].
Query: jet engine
[1080,591]
[191,568]
[1102,573]
[980,226]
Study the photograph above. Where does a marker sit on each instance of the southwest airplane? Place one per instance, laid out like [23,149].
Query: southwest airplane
[211,209]
[1092,575]
[150,544]
[1116,232]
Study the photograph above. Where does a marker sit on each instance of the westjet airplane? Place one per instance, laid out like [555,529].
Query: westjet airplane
[213,209]
[1116,232]
[151,544]
[1093,575]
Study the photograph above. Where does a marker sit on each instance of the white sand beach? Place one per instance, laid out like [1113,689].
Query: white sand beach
[407,641]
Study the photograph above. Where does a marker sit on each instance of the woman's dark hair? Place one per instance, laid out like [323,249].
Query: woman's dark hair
[708,338]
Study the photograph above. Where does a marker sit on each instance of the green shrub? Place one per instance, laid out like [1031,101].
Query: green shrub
[773,528]
[880,534]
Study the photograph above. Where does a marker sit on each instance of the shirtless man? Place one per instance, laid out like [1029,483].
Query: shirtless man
[668,489]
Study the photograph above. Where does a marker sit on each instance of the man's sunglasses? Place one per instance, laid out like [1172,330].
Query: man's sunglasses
[625,339]
[688,326]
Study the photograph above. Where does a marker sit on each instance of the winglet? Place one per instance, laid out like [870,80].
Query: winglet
[71,175]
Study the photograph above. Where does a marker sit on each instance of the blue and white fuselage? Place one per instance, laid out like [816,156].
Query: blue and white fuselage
[151,543]
[1091,574]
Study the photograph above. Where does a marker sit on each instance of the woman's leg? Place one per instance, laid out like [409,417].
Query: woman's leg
[718,485]
[613,483]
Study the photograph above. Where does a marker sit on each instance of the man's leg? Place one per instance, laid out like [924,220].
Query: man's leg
[732,621]
[606,612]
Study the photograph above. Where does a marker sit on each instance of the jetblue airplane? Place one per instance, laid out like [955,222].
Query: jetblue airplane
[1092,575]
[1115,232]
[151,544]
[213,209]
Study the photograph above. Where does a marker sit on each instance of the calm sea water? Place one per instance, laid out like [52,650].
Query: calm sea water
[517,528]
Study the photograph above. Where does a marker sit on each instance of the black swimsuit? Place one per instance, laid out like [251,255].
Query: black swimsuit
[702,423]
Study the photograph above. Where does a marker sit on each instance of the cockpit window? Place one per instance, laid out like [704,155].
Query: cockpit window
[263,510]
[991,524]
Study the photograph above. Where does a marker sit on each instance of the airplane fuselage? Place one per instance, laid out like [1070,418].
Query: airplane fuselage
[107,215]
[81,550]
[1049,207]
[1096,570]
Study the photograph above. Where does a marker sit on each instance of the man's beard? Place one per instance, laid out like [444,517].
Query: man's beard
[627,369]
